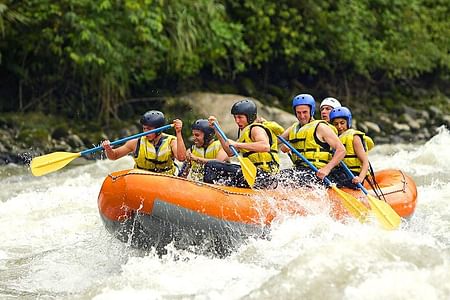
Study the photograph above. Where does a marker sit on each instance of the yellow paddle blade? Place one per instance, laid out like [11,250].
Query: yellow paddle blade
[385,214]
[48,163]
[248,169]
[353,205]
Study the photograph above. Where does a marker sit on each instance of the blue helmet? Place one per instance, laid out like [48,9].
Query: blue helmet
[342,112]
[304,99]
[203,126]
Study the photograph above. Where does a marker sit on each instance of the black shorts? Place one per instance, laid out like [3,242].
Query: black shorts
[231,175]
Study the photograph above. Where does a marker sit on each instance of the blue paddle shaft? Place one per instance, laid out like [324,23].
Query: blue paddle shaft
[313,167]
[351,175]
[125,139]
[222,134]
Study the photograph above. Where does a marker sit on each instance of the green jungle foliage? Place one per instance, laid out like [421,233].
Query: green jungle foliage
[88,59]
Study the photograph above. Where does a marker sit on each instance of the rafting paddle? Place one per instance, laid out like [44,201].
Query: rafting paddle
[248,168]
[48,163]
[387,216]
[353,205]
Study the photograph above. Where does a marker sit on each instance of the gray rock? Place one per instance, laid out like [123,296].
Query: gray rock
[2,147]
[410,111]
[446,120]
[61,145]
[385,120]
[60,132]
[426,133]
[412,123]
[406,136]
[74,141]
[372,126]
[434,111]
[219,105]
[421,136]
[422,122]
[425,114]
[285,119]
[360,125]
[401,127]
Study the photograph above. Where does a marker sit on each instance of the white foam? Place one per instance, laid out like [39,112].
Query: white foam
[54,244]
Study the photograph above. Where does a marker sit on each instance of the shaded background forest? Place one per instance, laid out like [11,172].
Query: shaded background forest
[96,60]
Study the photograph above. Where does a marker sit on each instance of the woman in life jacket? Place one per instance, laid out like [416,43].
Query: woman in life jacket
[204,149]
[356,143]
[155,152]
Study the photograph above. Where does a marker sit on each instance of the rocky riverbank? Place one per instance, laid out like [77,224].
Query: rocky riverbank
[23,136]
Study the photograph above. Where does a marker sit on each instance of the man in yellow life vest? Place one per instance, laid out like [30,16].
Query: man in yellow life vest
[256,142]
[326,106]
[315,140]
[155,152]
[356,143]
[204,149]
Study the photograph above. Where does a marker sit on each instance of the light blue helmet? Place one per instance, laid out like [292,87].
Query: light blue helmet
[304,99]
[342,112]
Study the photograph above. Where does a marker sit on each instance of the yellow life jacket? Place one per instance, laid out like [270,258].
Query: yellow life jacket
[369,142]
[304,139]
[350,159]
[210,152]
[333,127]
[266,161]
[276,128]
[156,158]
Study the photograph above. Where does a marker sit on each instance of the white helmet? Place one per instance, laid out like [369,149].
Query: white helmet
[331,102]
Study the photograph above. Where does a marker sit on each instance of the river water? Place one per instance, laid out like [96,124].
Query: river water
[53,244]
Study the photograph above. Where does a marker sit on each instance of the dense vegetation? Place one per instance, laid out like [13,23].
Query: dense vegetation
[92,59]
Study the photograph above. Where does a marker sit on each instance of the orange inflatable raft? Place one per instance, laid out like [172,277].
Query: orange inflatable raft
[147,209]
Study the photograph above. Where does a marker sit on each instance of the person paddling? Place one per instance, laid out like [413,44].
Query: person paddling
[204,149]
[155,152]
[356,143]
[315,140]
[256,142]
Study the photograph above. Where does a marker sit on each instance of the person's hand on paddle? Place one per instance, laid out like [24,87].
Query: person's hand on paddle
[211,121]
[188,155]
[177,125]
[284,149]
[235,144]
[109,151]
[106,144]
[323,172]
[357,180]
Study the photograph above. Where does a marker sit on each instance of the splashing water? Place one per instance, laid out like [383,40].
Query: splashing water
[54,244]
